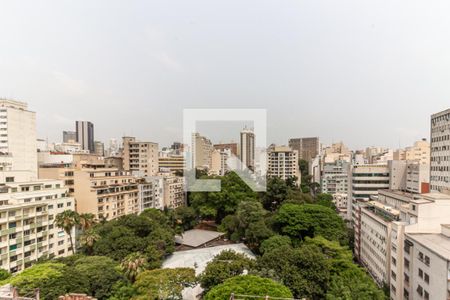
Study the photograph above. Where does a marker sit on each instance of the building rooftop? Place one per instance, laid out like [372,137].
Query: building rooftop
[436,242]
[197,237]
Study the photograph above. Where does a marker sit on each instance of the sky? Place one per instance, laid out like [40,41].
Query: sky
[362,72]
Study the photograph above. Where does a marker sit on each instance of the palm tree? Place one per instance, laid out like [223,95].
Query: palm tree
[134,264]
[87,220]
[88,239]
[67,220]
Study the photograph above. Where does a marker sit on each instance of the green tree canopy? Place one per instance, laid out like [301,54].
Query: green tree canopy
[217,205]
[163,283]
[274,242]
[309,220]
[225,265]
[248,285]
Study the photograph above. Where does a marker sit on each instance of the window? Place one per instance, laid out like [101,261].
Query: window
[13,247]
[420,290]
[60,205]
[426,278]
[12,225]
[393,275]
[427,260]
[420,273]
[9,179]
[426,296]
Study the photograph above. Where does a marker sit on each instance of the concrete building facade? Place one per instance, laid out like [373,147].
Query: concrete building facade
[247,149]
[307,148]
[85,135]
[283,163]
[140,157]
[440,151]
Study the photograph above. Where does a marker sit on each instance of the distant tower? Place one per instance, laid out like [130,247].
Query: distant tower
[247,151]
[85,135]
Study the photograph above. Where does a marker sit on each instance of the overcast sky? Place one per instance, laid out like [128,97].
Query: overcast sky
[364,72]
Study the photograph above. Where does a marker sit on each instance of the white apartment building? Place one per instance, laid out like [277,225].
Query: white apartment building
[18,142]
[27,233]
[440,151]
[417,177]
[151,193]
[140,158]
[366,181]
[335,177]
[420,248]
[341,203]
[283,163]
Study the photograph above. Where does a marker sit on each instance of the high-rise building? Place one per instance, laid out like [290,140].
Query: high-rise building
[27,232]
[140,157]
[69,136]
[440,151]
[18,142]
[307,148]
[283,163]
[174,194]
[201,151]
[247,149]
[85,135]
[151,193]
[170,162]
[366,181]
[99,148]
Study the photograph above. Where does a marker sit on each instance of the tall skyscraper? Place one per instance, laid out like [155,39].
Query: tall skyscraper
[18,142]
[85,135]
[440,151]
[307,148]
[247,150]
[69,136]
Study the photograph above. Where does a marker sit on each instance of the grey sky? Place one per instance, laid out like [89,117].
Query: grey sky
[365,72]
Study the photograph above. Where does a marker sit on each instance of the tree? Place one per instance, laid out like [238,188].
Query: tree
[248,222]
[248,285]
[88,239]
[277,193]
[86,221]
[67,220]
[309,220]
[217,205]
[223,266]
[163,283]
[51,278]
[182,218]
[101,274]
[134,264]
[325,200]
[4,274]
[274,242]
[305,270]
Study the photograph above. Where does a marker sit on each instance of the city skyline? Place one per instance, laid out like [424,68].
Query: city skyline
[302,63]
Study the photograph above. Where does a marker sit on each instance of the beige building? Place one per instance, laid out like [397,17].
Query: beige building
[140,157]
[201,151]
[419,152]
[27,233]
[99,148]
[219,165]
[18,142]
[105,192]
[283,163]
[151,193]
[174,194]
